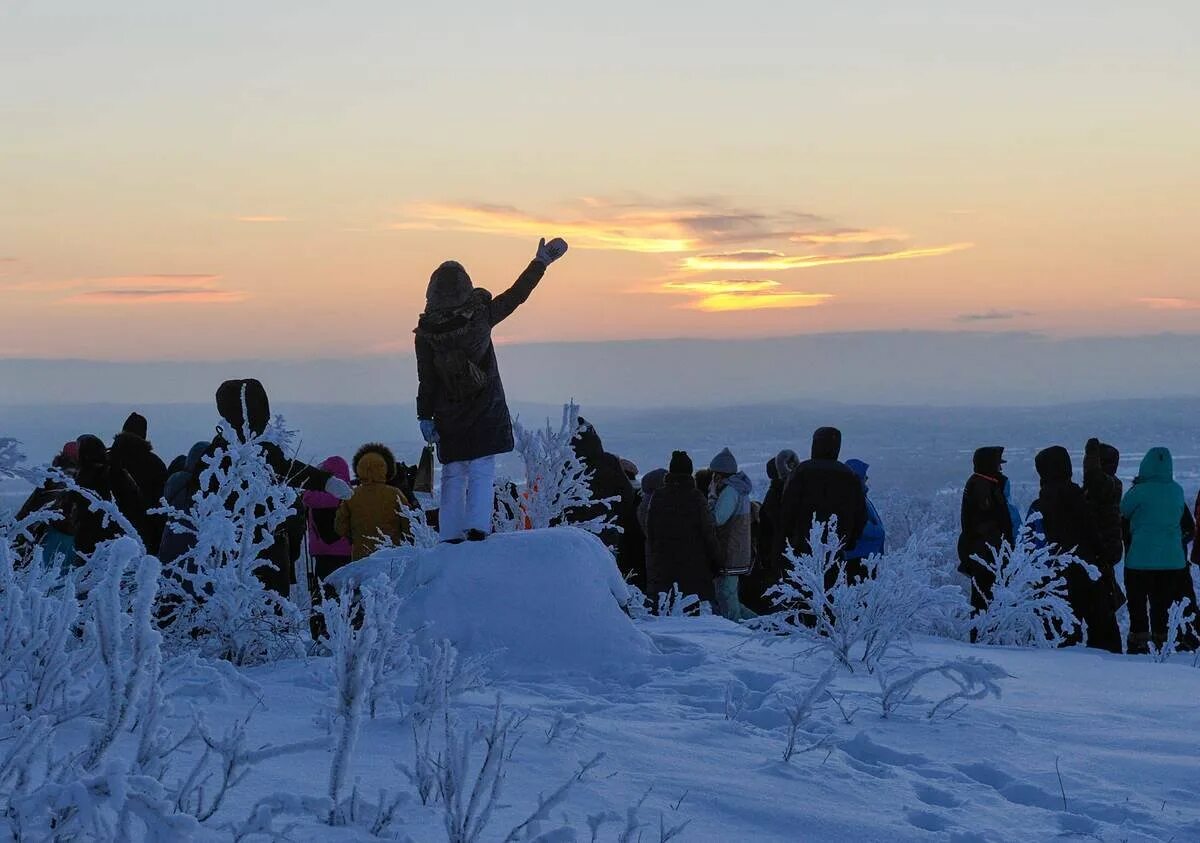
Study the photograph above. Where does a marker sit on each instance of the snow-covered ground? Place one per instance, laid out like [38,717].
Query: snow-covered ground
[702,728]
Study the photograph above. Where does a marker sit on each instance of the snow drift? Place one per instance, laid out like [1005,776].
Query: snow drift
[536,601]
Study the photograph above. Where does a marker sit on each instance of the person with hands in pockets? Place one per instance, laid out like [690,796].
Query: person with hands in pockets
[461,406]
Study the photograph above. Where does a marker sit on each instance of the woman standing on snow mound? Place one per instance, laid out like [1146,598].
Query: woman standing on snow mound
[460,399]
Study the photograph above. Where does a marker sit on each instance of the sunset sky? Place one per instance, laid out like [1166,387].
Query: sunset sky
[278,179]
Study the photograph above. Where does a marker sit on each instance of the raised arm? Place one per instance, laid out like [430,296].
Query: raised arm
[503,305]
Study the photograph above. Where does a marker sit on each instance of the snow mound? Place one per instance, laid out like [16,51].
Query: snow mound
[536,601]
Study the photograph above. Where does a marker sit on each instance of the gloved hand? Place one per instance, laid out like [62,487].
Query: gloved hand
[429,431]
[339,488]
[548,253]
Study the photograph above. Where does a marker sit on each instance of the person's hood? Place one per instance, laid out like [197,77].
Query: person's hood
[989,460]
[858,467]
[1110,459]
[587,444]
[383,451]
[137,425]
[195,455]
[1156,465]
[1053,464]
[772,471]
[652,480]
[629,468]
[92,450]
[338,467]
[786,462]
[826,443]
[371,468]
[449,287]
[740,482]
[244,404]
[724,463]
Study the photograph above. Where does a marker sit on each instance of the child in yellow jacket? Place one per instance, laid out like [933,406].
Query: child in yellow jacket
[373,512]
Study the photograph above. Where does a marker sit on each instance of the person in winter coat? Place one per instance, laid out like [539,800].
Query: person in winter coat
[373,512]
[769,567]
[987,522]
[1068,524]
[461,406]
[681,537]
[328,549]
[822,488]
[729,499]
[608,480]
[132,452]
[1156,572]
[1103,490]
[872,541]
[99,477]
[54,537]
[245,407]
[180,492]
[652,481]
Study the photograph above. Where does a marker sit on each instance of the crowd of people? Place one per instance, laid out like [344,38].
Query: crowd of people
[673,529]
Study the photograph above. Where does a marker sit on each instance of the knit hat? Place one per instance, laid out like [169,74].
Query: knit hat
[449,287]
[680,463]
[827,443]
[70,451]
[135,424]
[724,463]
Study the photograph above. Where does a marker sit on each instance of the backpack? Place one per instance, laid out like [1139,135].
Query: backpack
[459,374]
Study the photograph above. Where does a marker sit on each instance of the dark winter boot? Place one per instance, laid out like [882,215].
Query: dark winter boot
[476,535]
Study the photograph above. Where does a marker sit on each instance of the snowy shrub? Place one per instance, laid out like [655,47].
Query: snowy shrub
[215,602]
[1181,625]
[10,457]
[556,480]
[973,679]
[858,621]
[676,604]
[421,534]
[1029,606]
[799,709]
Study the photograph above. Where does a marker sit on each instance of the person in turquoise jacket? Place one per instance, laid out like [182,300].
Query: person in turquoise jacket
[1156,574]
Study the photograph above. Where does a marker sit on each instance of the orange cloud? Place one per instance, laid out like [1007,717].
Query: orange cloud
[263,218]
[1169,303]
[729,302]
[759,259]
[847,235]
[156,296]
[716,287]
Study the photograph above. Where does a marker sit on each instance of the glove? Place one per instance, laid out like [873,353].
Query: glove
[548,253]
[429,431]
[339,488]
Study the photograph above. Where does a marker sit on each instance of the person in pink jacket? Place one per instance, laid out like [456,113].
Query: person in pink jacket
[329,551]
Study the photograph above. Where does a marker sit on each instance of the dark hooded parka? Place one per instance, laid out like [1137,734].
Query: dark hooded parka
[1069,525]
[608,480]
[102,479]
[1103,490]
[459,384]
[245,406]
[986,522]
[132,452]
[769,568]
[681,536]
[821,488]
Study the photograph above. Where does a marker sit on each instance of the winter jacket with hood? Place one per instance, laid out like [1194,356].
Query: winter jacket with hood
[652,481]
[821,488]
[323,538]
[1103,490]
[98,476]
[180,492]
[374,510]
[681,540]
[873,539]
[132,452]
[730,501]
[608,480]
[985,516]
[1154,507]
[458,321]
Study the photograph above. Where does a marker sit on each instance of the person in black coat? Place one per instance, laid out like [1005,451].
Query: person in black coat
[132,452]
[108,483]
[461,407]
[244,405]
[986,522]
[681,536]
[1069,525]
[608,480]
[821,488]
[770,567]
[1103,490]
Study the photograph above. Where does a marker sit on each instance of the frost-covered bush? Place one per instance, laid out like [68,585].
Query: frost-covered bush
[556,480]
[1028,605]
[859,620]
[214,601]
[973,679]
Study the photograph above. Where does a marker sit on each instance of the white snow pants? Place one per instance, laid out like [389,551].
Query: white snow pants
[468,498]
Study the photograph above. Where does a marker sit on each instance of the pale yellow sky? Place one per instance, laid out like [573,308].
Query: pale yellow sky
[279,179]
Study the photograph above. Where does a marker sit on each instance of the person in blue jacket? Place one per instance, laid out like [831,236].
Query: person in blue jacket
[872,541]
